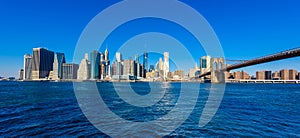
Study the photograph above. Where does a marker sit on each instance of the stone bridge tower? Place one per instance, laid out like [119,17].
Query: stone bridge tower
[216,64]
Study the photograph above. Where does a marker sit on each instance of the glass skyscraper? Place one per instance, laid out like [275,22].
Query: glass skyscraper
[95,63]
[27,67]
[57,65]
[42,63]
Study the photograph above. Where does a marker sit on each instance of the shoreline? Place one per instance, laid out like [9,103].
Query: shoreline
[169,81]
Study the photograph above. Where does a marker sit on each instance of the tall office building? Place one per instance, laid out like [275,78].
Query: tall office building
[292,74]
[21,74]
[69,71]
[166,64]
[284,74]
[145,61]
[106,55]
[161,64]
[260,75]
[268,75]
[27,67]
[95,64]
[42,63]
[118,57]
[117,68]
[84,70]
[205,64]
[105,66]
[137,58]
[129,67]
[59,59]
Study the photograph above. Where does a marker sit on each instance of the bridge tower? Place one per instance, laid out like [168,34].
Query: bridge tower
[216,64]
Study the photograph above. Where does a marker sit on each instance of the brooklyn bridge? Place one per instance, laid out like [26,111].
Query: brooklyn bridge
[218,67]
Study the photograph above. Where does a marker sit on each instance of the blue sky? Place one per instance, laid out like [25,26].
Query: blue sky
[246,29]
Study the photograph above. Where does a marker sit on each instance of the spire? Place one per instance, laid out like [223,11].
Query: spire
[106,53]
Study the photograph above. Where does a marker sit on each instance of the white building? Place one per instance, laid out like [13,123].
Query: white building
[166,64]
[84,70]
[27,67]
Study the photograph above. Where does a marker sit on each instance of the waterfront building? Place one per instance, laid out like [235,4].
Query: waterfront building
[59,59]
[264,75]
[21,74]
[276,75]
[138,70]
[268,75]
[245,75]
[205,65]
[27,67]
[42,63]
[237,75]
[292,74]
[260,75]
[145,63]
[284,74]
[84,70]
[166,64]
[150,74]
[69,71]
[105,66]
[95,63]
[117,68]
[178,74]
[129,67]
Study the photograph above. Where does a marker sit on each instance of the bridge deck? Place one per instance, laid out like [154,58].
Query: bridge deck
[269,58]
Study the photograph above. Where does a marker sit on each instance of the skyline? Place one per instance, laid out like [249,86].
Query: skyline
[258,26]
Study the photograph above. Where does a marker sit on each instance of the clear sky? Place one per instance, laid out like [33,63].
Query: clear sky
[246,28]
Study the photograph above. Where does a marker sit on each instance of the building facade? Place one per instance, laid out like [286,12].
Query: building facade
[129,67]
[42,63]
[284,74]
[59,59]
[69,71]
[84,70]
[166,65]
[95,64]
[27,67]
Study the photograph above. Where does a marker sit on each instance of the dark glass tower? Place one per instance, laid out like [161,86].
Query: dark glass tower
[42,63]
[95,63]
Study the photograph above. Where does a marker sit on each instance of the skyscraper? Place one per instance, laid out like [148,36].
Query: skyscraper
[69,71]
[21,74]
[106,67]
[161,64]
[27,67]
[118,57]
[129,67]
[106,55]
[166,64]
[42,63]
[59,59]
[137,58]
[84,70]
[205,64]
[145,61]
[284,74]
[95,64]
